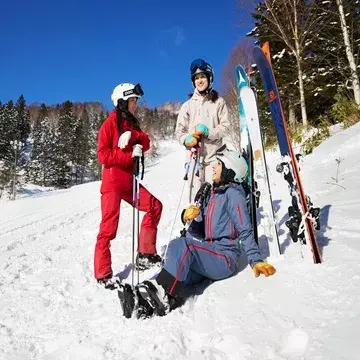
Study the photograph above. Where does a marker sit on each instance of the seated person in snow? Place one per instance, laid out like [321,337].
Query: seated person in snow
[220,230]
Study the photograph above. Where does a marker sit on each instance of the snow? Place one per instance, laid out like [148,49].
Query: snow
[251,32]
[280,54]
[52,308]
[28,190]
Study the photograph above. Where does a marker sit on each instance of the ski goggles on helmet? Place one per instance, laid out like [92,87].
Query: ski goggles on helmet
[221,150]
[201,65]
[137,90]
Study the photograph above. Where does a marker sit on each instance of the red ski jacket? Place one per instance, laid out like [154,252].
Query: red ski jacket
[118,163]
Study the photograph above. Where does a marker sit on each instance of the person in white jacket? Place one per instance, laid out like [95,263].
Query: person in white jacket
[202,124]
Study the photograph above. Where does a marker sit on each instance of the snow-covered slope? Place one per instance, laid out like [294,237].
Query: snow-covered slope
[52,308]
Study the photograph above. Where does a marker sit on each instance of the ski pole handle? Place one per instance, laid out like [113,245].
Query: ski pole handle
[136,170]
[187,166]
[199,199]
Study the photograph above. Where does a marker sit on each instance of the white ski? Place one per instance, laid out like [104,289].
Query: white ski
[260,174]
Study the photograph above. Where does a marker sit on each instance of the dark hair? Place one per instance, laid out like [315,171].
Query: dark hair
[211,95]
[122,114]
[227,175]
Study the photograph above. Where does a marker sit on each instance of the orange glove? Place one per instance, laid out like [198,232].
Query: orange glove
[263,268]
[191,213]
[197,134]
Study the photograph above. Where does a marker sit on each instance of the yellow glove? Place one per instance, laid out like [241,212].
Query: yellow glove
[197,134]
[191,141]
[263,268]
[191,213]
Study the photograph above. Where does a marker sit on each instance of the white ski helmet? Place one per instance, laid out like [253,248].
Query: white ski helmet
[233,161]
[125,91]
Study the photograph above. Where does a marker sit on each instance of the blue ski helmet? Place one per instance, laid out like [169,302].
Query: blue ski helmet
[201,66]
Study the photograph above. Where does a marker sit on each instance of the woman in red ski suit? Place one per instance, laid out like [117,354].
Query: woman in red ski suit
[120,139]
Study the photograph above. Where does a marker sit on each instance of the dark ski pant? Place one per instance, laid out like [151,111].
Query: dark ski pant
[189,262]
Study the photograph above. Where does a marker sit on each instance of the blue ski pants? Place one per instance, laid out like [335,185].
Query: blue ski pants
[189,262]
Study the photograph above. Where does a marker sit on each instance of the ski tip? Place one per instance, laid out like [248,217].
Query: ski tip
[241,75]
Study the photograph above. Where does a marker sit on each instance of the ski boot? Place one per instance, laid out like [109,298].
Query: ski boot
[314,213]
[127,299]
[143,309]
[293,224]
[109,282]
[257,194]
[147,261]
[150,300]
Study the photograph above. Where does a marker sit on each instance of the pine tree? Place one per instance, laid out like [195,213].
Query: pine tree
[8,134]
[38,152]
[50,159]
[95,122]
[23,120]
[4,140]
[82,153]
[8,129]
[65,144]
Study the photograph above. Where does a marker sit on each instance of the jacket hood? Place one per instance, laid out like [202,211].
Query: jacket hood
[221,188]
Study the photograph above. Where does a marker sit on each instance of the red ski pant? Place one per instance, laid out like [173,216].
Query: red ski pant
[110,209]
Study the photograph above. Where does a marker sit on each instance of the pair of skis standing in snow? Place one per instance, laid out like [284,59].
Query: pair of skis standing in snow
[304,219]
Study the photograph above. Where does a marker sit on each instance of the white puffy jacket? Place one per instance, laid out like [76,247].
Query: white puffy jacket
[199,109]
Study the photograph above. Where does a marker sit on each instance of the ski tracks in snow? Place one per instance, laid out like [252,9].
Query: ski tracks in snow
[42,267]
[52,309]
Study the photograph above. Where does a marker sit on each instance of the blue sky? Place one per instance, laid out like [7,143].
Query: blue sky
[52,51]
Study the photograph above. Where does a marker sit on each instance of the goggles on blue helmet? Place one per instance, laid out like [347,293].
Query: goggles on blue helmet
[200,64]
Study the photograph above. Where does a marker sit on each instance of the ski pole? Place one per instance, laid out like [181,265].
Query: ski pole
[187,168]
[199,199]
[135,227]
[173,224]
[194,156]
[138,225]
[197,164]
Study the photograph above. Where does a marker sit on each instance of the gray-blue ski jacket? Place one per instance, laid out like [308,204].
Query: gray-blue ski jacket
[225,219]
